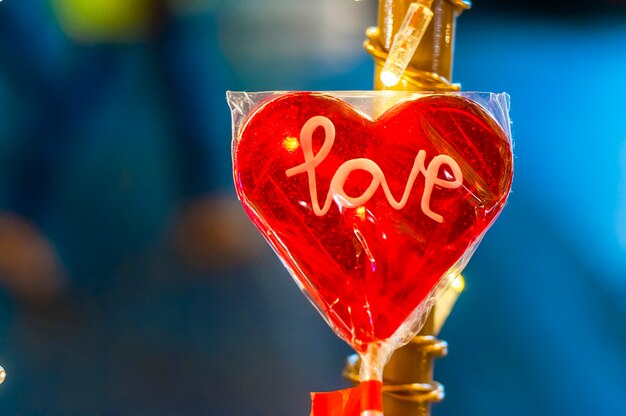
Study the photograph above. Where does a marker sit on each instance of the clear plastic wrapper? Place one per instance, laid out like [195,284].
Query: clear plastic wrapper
[374,201]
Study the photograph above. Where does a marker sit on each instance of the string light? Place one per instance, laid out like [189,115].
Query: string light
[406,41]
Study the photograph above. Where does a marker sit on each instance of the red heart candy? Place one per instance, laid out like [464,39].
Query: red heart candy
[366,260]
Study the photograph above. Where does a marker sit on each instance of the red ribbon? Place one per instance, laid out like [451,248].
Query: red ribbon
[348,402]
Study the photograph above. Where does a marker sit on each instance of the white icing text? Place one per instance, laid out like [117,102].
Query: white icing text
[336,191]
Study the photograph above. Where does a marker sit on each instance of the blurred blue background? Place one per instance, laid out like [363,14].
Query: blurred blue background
[133,284]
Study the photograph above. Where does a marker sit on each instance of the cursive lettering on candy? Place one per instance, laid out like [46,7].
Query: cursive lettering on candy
[336,191]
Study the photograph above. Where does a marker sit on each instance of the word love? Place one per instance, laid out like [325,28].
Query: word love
[337,192]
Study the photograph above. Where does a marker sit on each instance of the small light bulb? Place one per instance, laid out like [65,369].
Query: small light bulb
[406,41]
[389,78]
[458,284]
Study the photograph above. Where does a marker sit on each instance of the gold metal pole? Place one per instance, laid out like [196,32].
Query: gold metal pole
[409,388]
[431,66]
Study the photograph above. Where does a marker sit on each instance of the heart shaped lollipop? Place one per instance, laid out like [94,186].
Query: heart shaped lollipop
[369,216]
